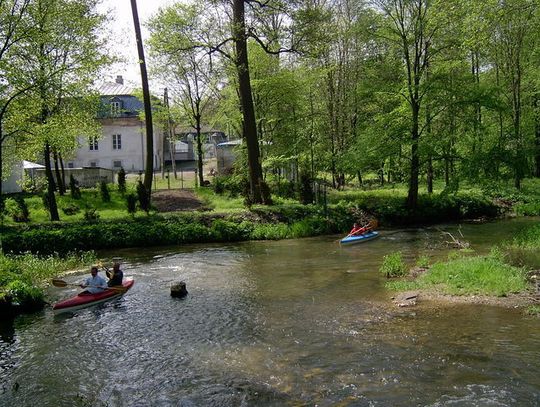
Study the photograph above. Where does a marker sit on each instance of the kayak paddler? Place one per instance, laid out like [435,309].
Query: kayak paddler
[115,276]
[95,283]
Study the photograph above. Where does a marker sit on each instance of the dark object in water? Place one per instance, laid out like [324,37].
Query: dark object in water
[178,290]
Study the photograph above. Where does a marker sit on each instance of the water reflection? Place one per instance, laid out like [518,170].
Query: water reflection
[300,322]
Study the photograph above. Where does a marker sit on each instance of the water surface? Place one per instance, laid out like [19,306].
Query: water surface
[290,323]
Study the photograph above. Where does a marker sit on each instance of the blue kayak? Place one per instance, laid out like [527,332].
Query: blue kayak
[360,238]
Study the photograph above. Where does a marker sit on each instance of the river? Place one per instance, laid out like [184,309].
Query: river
[300,322]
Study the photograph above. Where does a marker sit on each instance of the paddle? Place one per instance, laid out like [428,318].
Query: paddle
[107,270]
[62,284]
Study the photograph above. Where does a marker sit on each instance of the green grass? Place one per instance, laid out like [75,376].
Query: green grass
[533,310]
[477,275]
[35,270]
[22,277]
[220,203]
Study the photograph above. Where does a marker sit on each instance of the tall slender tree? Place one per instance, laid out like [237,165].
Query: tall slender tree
[149,164]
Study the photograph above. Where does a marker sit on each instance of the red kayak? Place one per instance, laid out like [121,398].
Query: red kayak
[83,300]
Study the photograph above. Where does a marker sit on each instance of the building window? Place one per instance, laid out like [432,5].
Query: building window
[93,164]
[71,165]
[117,164]
[117,141]
[115,108]
[93,143]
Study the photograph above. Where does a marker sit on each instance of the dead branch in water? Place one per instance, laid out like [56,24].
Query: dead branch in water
[457,243]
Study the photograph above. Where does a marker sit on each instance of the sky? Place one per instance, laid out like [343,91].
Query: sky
[122,35]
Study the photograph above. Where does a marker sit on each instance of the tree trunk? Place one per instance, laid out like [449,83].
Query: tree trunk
[412,197]
[62,171]
[246,100]
[430,175]
[536,105]
[199,150]
[51,187]
[170,135]
[149,165]
[61,187]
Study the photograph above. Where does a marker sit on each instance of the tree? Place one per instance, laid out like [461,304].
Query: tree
[14,29]
[63,54]
[188,71]
[514,29]
[149,167]
[410,27]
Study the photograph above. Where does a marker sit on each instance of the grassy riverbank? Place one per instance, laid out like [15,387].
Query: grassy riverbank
[91,222]
[22,278]
[506,272]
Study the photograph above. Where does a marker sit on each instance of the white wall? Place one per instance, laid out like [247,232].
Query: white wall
[11,184]
[132,153]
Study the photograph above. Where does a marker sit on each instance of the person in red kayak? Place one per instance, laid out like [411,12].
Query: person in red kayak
[115,276]
[359,230]
[95,283]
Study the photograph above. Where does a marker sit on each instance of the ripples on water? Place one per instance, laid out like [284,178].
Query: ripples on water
[289,323]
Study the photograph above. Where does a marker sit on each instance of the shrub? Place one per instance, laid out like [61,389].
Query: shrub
[393,265]
[91,214]
[143,197]
[71,209]
[26,295]
[17,209]
[422,261]
[306,189]
[74,189]
[131,200]
[45,200]
[122,181]
[104,192]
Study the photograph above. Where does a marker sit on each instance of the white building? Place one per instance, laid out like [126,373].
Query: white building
[123,140]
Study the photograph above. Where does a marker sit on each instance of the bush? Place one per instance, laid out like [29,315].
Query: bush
[27,296]
[71,209]
[74,189]
[17,209]
[306,189]
[143,197]
[104,192]
[393,265]
[91,214]
[121,181]
[131,200]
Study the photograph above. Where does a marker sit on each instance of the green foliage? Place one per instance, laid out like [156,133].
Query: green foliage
[131,201]
[533,310]
[104,192]
[222,230]
[487,275]
[74,189]
[233,185]
[527,239]
[422,261]
[393,266]
[121,181]
[143,196]
[16,208]
[22,276]
[389,206]
[267,231]
[306,188]
[45,200]
[25,295]
[528,209]
[71,209]
[91,214]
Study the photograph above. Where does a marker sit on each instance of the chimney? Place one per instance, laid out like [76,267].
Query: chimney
[119,79]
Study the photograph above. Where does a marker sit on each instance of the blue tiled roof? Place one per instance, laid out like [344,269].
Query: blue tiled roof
[115,92]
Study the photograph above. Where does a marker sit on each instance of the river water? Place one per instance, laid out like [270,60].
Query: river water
[289,323]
